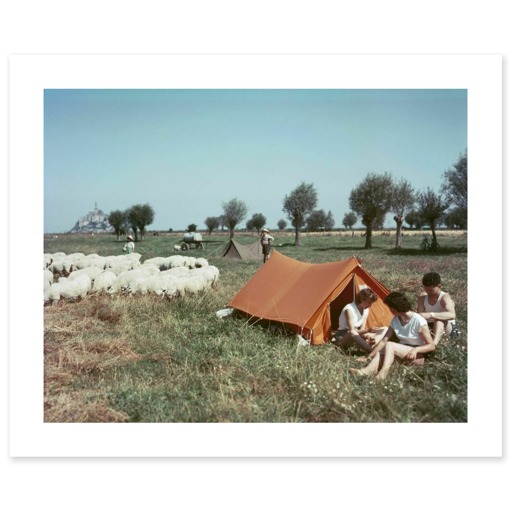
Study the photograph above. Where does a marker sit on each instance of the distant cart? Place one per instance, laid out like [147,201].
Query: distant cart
[192,240]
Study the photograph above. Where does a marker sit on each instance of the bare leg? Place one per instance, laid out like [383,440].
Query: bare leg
[391,350]
[371,369]
[377,336]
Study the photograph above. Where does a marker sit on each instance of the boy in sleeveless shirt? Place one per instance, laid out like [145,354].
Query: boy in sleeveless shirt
[436,307]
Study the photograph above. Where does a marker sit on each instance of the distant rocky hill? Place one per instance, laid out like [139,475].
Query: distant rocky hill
[94,222]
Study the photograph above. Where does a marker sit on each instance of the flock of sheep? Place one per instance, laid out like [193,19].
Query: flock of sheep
[73,276]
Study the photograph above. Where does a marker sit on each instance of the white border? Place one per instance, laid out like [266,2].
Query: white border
[29,75]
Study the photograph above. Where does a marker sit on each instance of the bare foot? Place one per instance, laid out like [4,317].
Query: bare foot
[356,371]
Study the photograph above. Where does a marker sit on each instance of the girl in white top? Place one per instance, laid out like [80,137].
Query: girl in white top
[411,330]
[352,323]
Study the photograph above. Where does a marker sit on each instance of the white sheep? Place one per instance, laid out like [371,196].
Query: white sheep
[176,260]
[76,288]
[190,261]
[52,293]
[210,272]
[92,272]
[122,282]
[178,271]
[158,261]
[47,260]
[201,262]
[68,289]
[48,278]
[195,283]
[103,281]
[91,260]
[163,284]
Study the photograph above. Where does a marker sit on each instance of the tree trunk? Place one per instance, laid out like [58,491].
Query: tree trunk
[297,237]
[434,238]
[398,241]
[368,244]
[231,233]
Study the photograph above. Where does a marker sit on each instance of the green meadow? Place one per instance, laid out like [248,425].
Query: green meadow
[147,359]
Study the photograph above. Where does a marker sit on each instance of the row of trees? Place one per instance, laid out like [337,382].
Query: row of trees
[134,219]
[375,197]
[378,195]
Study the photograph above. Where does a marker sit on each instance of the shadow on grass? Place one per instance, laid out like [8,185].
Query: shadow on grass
[442,251]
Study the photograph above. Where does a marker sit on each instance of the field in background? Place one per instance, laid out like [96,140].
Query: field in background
[143,359]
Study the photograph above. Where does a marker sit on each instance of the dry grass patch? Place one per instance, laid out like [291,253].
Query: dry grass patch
[80,407]
[75,345]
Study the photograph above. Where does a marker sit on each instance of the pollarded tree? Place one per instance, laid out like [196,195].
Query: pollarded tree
[222,221]
[431,209]
[455,184]
[298,205]
[371,200]
[139,216]
[131,221]
[281,224]
[402,199]
[235,212]
[191,228]
[329,221]
[455,188]
[257,221]
[117,220]
[456,218]
[212,223]
[349,219]
[413,219]
[316,220]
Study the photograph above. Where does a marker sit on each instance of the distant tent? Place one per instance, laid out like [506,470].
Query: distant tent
[234,249]
[309,297]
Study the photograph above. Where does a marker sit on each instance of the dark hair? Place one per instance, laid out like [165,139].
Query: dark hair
[366,294]
[431,279]
[398,301]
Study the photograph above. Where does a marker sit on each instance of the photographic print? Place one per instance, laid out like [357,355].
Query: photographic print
[248,255]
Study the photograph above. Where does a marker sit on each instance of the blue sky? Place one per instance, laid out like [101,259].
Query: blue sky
[185,152]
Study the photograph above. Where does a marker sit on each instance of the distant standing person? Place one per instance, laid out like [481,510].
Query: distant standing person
[266,239]
[129,246]
[436,307]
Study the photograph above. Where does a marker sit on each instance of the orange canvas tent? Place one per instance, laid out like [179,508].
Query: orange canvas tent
[309,297]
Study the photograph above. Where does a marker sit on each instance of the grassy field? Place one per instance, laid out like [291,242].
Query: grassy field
[145,359]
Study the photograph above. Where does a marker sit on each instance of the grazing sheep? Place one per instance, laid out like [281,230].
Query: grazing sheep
[73,276]
[52,293]
[211,274]
[176,260]
[48,278]
[76,288]
[47,260]
[123,280]
[92,272]
[91,260]
[190,261]
[195,283]
[177,271]
[201,262]
[104,281]
[158,261]
[68,289]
